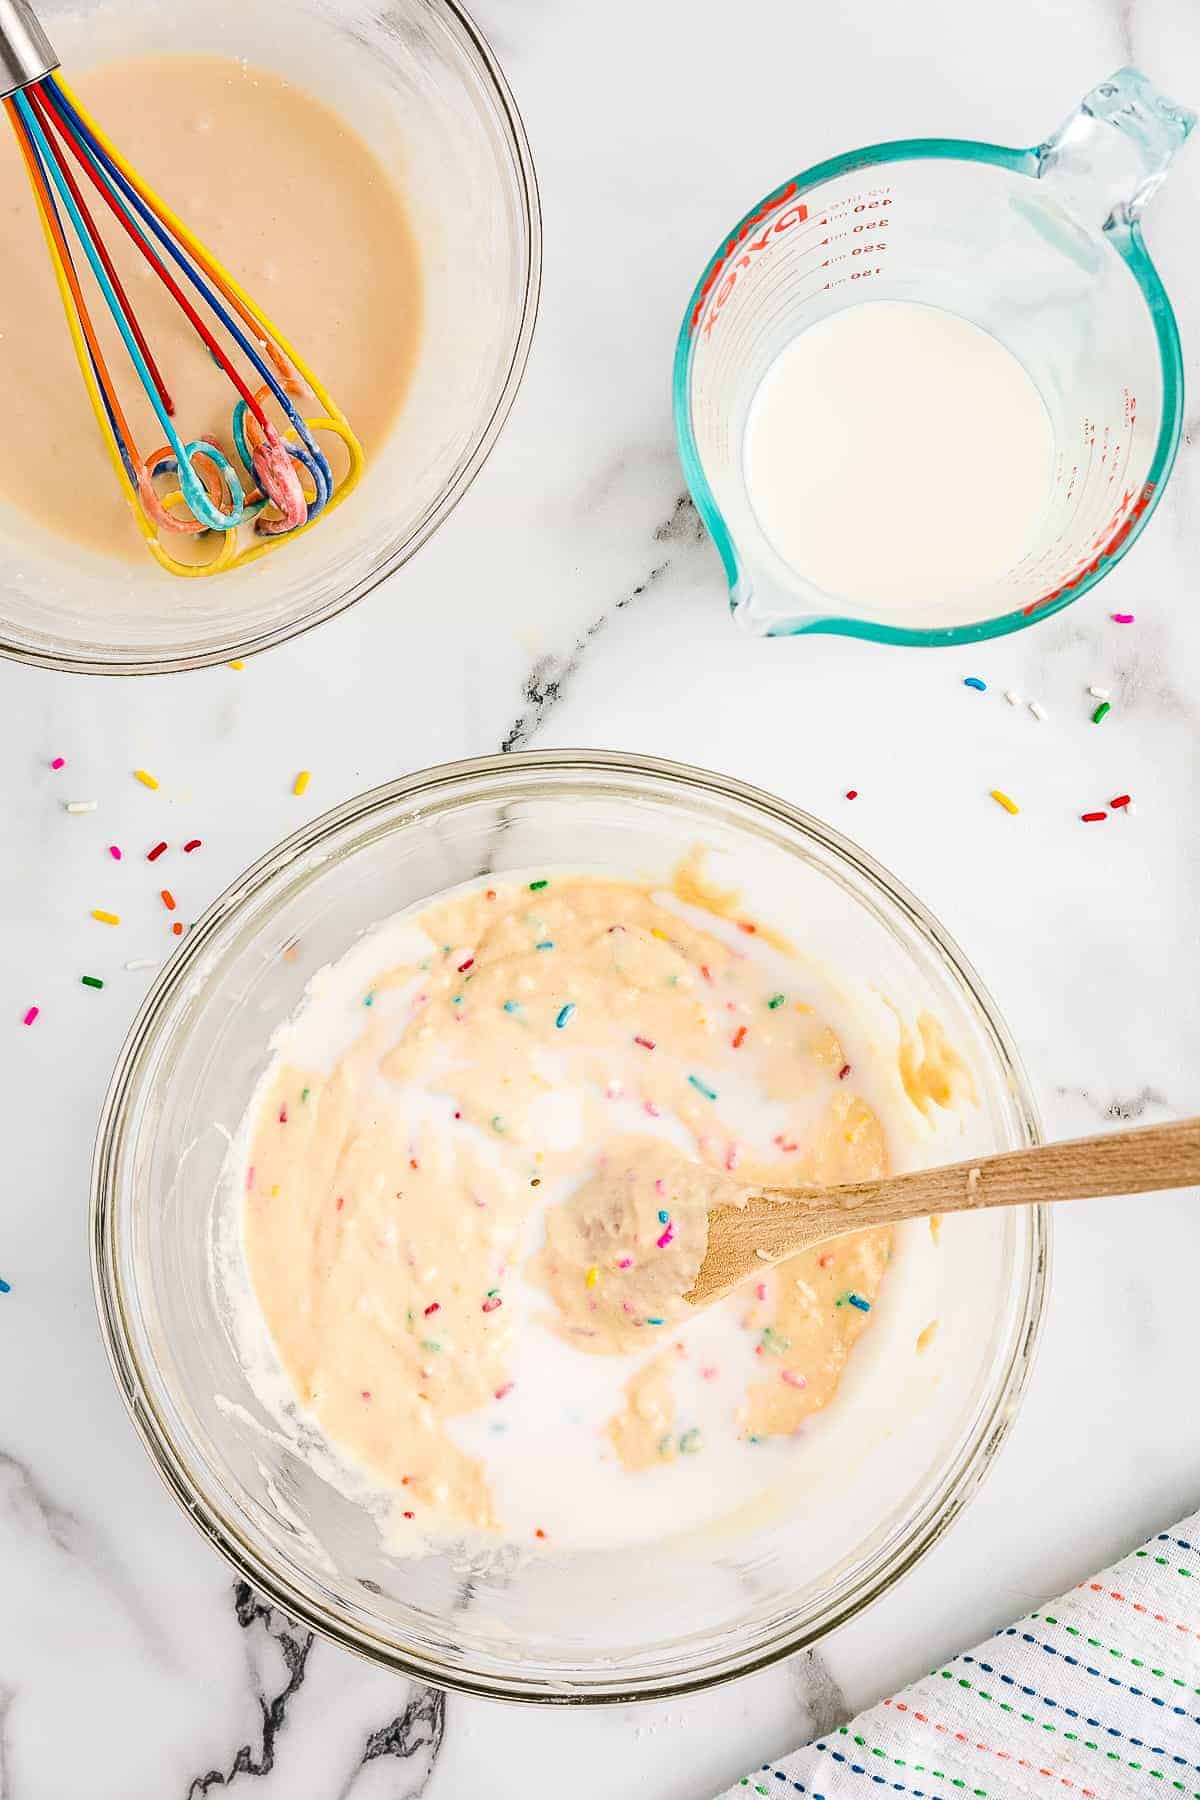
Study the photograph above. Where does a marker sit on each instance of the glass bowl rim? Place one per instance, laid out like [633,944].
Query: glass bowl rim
[948,1493]
[90,661]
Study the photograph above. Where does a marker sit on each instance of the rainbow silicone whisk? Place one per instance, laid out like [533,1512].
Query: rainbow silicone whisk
[181,488]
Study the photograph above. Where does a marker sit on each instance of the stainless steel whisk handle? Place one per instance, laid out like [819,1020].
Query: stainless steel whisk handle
[26,53]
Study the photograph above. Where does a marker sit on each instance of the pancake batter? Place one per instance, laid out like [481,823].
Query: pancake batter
[294,204]
[438,1305]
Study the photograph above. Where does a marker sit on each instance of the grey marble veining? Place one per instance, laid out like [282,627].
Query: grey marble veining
[573,600]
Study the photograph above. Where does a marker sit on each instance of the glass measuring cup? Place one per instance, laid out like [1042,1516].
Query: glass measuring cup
[1040,247]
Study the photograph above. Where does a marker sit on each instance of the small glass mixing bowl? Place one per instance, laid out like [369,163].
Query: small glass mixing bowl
[916,1438]
[422,88]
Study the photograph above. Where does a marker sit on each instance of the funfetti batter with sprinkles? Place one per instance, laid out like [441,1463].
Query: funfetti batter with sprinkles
[449,1323]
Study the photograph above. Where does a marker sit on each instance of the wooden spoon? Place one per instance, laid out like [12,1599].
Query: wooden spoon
[746,1232]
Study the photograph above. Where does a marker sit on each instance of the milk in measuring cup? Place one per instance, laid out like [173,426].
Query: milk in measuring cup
[895,452]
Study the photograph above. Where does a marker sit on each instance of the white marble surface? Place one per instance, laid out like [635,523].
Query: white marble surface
[571,601]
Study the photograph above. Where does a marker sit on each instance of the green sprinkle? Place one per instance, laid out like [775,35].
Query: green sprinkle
[512,1006]
[370,998]
[656,1321]
[91,981]
[666,1445]
[497,1122]
[458,999]
[430,1344]
[565,1015]
[753,1440]
[690,1442]
[304,1093]
[852,1299]
[492,1292]
[426,965]
[546,944]
[774,1343]
[700,1087]
[535,887]
[1101,711]
[775,1002]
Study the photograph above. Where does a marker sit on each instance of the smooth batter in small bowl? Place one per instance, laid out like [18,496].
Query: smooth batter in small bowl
[419,86]
[915,1425]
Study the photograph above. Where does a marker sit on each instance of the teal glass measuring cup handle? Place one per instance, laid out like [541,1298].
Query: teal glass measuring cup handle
[1041,248]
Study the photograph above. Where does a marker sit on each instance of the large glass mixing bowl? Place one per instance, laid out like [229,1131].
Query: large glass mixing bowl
[420,85]
[588,1626]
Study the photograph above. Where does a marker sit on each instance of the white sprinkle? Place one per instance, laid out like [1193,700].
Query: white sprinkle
[1012,696]
[143,962]
[1099,693]
[81,806]
[1037,709]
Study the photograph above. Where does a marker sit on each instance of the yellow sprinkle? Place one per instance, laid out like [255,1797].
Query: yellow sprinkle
[237,665]
[592,1276]
[301,781]
[274,1190]
[656,933]
[1010,806]
[106,918]
[146,780]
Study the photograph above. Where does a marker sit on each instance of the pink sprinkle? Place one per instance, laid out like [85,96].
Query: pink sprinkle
[366,1393]
[250,1177]
[60,762]
[666,1237]
[654,1109]
[1122,618]
[731,1157]
[660,1186]
[114,852]
[464,966]
[625,1306]
[625,1262]
[31,1015]
[796,1381]
[502,1393]
[492,1304]
[760,1291]
[434,1306]
[646,1043]
[614,1090]
[709,1374]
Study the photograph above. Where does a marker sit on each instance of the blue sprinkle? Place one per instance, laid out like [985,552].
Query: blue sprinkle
[566,1014]
[511,1006]
[857,1300]
[700,1087]
[974,681]
[458,999]
[546,944]
[5,1286]
[370,999]
[664,1218]
[656,1321]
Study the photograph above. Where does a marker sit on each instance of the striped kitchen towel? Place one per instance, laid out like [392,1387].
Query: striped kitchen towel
[1097,1694]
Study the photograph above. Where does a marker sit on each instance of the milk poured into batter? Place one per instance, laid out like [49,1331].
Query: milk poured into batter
[897,454]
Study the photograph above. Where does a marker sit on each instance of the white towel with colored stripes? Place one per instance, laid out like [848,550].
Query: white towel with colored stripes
[1096,1695]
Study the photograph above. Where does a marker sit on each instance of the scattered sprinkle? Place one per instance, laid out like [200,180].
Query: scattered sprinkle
[177,929]
[60,762]
[167,898]
[432,1345]
[192,844]
[410,1515]
[535,887]
[792,1379]
[1122,618]
[504,1390]
[1099,693]
[1120,800]
[491,1303]
[497,1122]
[666,1237]
[746,926]
[1101,712]
[565,1014]
[142,962]
[775,1002]
[464,966]
[91,981]
[852,793]
[31,1015]
[5,1286]
[739,1037]
[662,1216]
[1038,710]
[301,782]
[539,1533]
[1093,818]
[701,1088]
[1002,799]
[656,1321]
[592,1277]
[624,1262]
[114,850]
[973,681]
[146,779]
[512,1006]
[546,944]
[1012,696]
[153,855]
[80,806]
[690,1442]
[106,918]
[853,1299]
[239,664]
[843,1071]
[645,1042]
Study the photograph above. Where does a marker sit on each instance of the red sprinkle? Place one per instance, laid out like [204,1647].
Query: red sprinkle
[739,1037]
[464,966]
[114,852]
[502,1393]
[192,844]
[746,926]
[1092,818]
[1121,800]
[167,898]
[31,1015]
[491,894]
[706,972]
[283,1115]
[366,1393]
[539,1533]
[177,928]
[852,793]
[153,855]
[843,1071]
[823,1262]
[341,1201]
[409,1515]
[434,1306]
[492,1304]
[60,762]
[646,1043]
